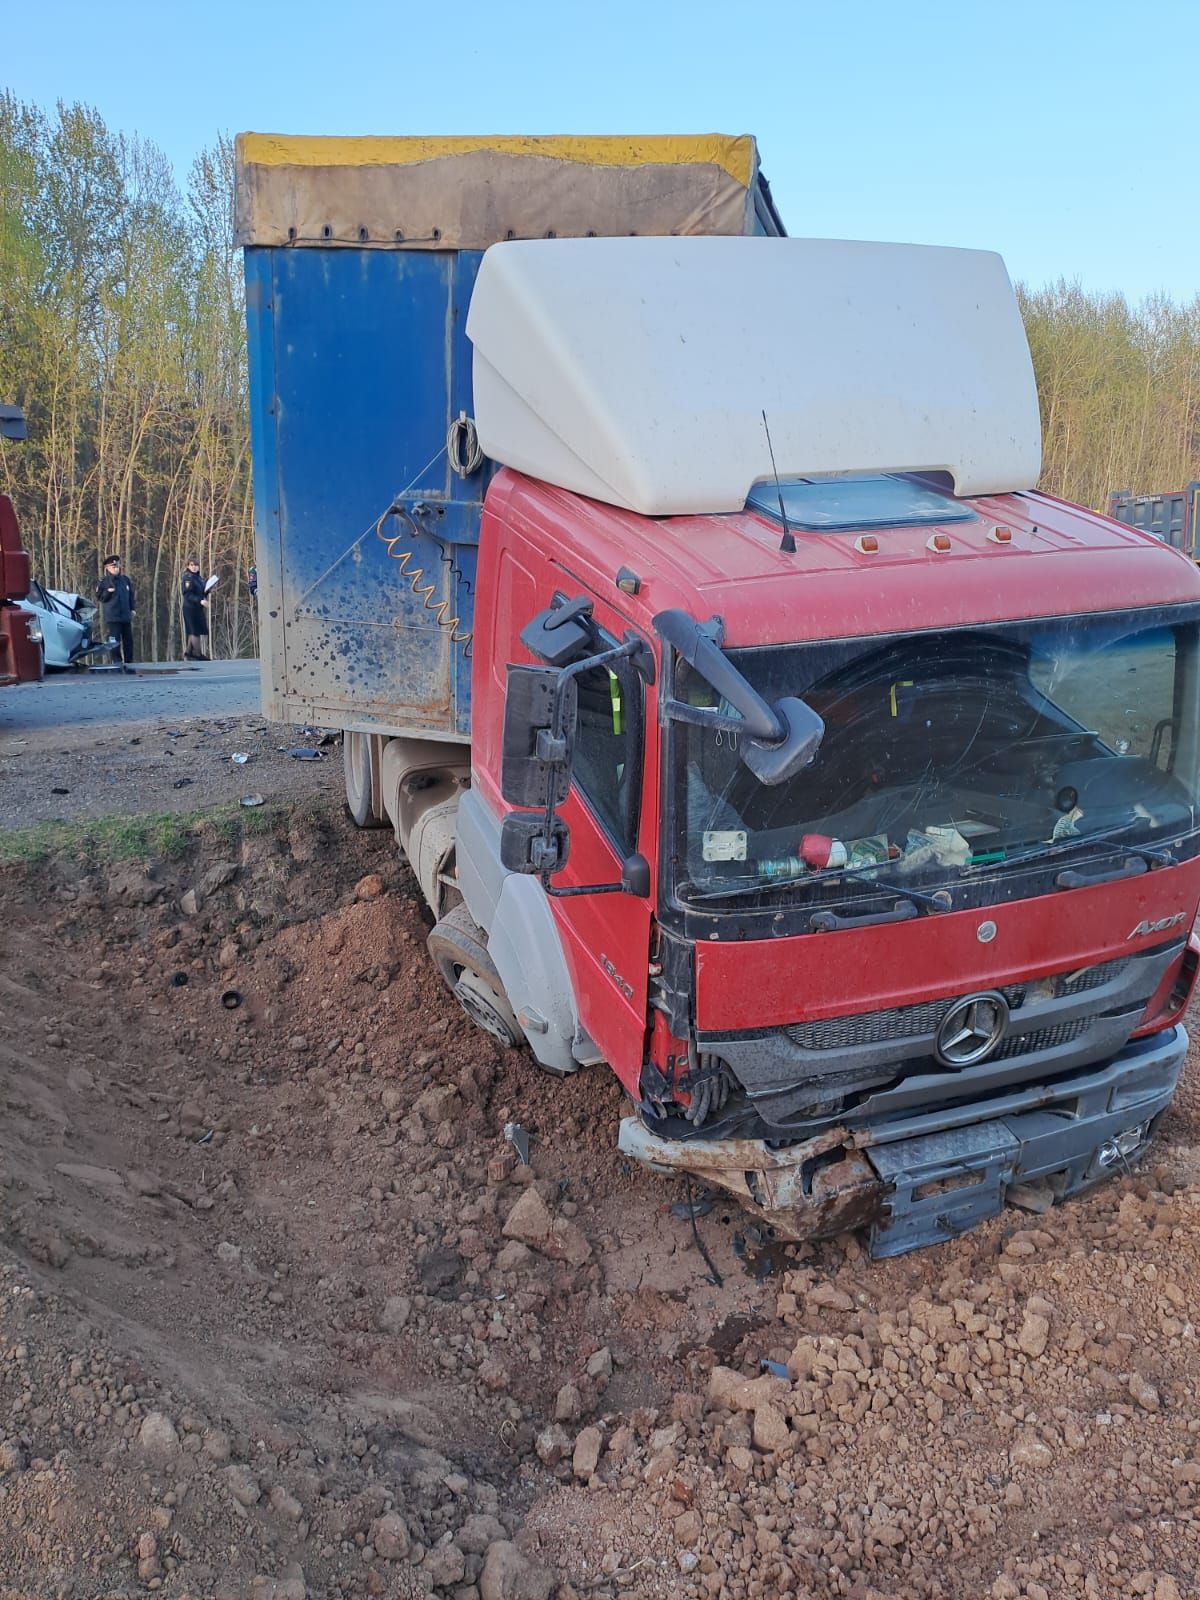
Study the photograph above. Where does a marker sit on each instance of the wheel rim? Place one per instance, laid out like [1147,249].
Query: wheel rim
[474,997]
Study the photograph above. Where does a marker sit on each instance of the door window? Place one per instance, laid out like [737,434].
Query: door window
[608,749]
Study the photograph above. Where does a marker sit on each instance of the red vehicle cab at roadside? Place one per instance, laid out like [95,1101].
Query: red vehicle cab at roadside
[20,645]
[20,633]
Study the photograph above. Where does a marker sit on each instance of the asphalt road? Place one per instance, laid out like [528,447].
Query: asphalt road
[39,712]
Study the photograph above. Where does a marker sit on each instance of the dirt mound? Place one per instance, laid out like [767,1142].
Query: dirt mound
[282,1314]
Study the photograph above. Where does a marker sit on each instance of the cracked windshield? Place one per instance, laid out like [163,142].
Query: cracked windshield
[949,755]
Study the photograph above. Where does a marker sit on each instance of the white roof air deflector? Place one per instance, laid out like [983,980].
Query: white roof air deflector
[636,371]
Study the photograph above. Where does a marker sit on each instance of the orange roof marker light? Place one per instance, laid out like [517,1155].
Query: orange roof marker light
[1000,534]
[938,541]
[866,544]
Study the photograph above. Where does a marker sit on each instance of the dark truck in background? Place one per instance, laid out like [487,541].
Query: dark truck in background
[1170,516]
[20,631]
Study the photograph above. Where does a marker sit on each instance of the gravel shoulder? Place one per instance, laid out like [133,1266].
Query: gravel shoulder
[283,1316]
[82,746]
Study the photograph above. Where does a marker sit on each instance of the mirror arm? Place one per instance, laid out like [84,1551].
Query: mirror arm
[699,650]
[634,649]
[780,739]
[701,716]
[583,888]
[635,879]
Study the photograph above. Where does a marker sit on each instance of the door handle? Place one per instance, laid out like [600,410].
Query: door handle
[1072,878]
[830,922]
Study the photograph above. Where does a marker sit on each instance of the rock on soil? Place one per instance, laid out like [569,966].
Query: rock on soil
[507,1575]
[158,1437]
[586,1457]
[389,1535]
[530,1223]
[242,1485]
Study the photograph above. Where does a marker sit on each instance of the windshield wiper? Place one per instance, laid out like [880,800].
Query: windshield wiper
[939,901]
[1147,852]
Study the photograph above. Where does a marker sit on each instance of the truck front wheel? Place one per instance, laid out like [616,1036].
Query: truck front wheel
[457,946]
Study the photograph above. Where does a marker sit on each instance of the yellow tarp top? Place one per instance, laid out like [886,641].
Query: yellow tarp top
[467,192]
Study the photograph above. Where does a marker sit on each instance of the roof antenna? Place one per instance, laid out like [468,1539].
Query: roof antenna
[787,544]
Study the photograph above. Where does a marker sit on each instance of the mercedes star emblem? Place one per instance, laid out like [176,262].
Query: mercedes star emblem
[971,1029]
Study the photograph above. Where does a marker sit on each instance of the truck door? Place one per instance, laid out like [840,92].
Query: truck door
[610,811]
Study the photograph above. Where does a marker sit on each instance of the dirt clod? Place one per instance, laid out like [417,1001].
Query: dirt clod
[157,1436]
[389,1536]
[507,1575]
[587,1453]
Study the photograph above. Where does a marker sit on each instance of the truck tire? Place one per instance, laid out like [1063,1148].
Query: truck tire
[358,769]
[459,952]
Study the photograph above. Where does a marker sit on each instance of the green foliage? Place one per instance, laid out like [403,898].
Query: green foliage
[1119,387]
[108,839]
[121,335]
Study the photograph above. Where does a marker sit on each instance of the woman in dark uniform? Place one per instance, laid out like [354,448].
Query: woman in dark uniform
[195,623]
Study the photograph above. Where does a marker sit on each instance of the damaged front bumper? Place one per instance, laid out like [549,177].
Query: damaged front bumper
[927,1177]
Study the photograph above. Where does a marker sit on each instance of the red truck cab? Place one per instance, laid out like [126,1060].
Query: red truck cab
[981,995]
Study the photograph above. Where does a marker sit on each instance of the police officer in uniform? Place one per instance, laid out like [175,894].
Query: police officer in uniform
[117,604]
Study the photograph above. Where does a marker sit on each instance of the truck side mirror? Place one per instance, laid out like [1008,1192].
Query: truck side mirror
[524,847]
[635,875]
[804,729]
[561,633]
[541,713]
[535,760]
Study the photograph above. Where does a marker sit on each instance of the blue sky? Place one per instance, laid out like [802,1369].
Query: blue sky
[1060,133]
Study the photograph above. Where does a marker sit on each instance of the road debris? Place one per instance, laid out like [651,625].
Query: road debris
[517,1136]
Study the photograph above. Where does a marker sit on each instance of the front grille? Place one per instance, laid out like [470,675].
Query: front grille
[1092,977]
[871,1027]
[1024,1044]
[881,1027]
[923,1020]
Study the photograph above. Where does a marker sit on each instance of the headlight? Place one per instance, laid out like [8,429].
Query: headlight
[34,629]
[1124,1145]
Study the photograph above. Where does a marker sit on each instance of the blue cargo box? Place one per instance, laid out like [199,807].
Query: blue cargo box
[360,258]
[358,365]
